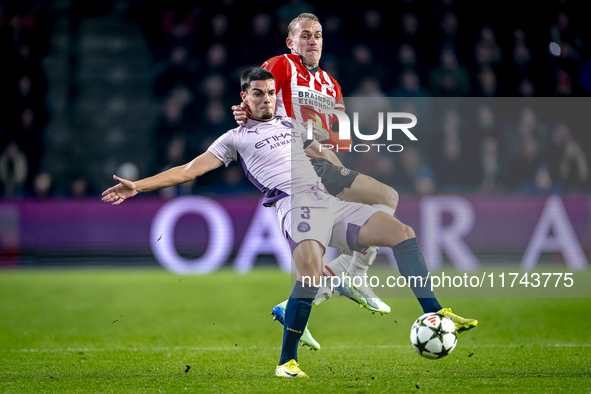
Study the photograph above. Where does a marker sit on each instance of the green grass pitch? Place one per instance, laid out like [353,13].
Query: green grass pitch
[138,330]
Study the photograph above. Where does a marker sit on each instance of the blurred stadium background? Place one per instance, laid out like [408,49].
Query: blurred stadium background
[93,88]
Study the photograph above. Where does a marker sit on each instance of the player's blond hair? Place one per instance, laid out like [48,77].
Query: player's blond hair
[301,17]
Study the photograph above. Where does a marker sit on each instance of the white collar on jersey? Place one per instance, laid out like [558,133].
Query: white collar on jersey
[251,120]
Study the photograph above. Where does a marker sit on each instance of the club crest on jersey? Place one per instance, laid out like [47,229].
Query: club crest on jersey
[287,123]
[328,87]
[345,171]
[303,227]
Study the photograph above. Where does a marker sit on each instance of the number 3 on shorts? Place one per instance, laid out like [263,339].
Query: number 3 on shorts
[306,214]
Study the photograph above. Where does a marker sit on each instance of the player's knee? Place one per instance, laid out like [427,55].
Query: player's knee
[401,233]
[408,232]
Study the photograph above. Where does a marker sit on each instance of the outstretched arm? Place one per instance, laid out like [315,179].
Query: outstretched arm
[175,176]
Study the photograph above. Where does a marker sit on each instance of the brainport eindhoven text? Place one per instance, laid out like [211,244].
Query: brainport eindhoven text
[345,132]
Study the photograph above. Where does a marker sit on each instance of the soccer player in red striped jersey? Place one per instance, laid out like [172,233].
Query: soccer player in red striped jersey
[304,91]
[307,92]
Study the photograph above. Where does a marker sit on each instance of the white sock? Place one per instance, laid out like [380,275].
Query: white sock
[338,266]
[384,208]
[361,262]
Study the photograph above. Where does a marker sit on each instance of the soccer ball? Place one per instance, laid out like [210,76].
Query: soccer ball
[433,335]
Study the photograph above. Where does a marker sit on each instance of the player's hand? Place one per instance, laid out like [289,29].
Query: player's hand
[121,192]
[240,113]
[320,134]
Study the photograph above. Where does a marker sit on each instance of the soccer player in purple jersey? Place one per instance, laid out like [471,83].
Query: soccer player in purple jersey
[299,74]
[310,219]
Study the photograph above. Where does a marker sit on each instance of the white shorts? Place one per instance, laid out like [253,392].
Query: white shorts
[316,215]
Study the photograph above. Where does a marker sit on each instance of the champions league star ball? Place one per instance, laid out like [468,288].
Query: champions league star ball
[433,335]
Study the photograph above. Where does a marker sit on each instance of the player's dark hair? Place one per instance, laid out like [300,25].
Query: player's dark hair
[254,74]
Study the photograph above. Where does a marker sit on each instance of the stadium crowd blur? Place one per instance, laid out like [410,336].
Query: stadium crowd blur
[417,49]
[23,110]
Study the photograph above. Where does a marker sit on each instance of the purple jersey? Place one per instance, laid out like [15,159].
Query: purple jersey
[272,156]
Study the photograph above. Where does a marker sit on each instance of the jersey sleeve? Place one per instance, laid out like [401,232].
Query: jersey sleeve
[339,103]
[339,106]
[224,148]
[278,67]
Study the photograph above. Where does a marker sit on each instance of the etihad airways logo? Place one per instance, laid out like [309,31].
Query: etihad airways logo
[277,140]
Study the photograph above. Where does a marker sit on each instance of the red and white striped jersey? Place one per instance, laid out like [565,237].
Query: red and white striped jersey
[304,94]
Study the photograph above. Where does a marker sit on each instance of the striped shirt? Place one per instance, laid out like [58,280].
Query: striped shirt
[304,94]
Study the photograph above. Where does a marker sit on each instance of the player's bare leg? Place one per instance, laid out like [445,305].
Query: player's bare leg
[308,260]
[365,190]
[384,230]
[305,268]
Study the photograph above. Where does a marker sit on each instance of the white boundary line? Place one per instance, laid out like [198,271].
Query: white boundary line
[230,348]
